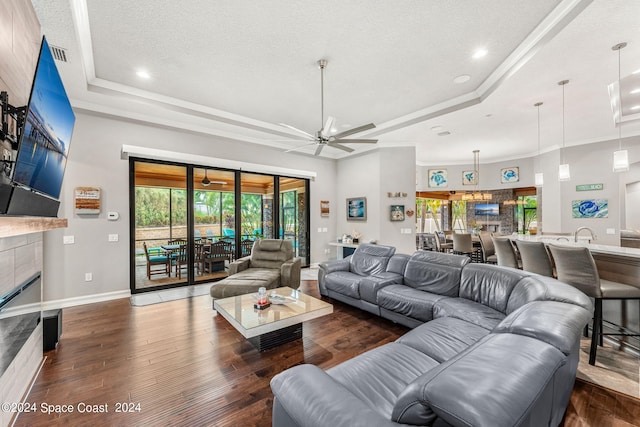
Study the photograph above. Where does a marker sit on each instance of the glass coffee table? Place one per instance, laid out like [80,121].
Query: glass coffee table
[278,324]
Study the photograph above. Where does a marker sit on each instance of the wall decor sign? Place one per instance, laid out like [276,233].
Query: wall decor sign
[437,178]
[87,200]
[324,208]
[592,208]
[511,174]
[396,212]
[469,178]
[357,209]
[589,187]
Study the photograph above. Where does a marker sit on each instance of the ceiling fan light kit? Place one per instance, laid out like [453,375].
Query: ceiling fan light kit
[323,137]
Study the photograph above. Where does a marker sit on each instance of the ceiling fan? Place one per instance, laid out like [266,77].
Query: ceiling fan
[323,137]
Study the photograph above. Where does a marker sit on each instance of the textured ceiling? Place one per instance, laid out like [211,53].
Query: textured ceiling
[237,68]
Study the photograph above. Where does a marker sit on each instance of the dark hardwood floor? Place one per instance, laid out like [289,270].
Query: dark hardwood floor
[177,363]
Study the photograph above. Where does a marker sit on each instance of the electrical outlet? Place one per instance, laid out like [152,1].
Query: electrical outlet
[88,277]
[611,231]
[113,237]
[68,240]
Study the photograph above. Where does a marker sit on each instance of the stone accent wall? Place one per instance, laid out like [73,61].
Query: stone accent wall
[503,223]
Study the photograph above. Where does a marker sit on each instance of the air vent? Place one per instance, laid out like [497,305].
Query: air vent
[59,54]
[445,133]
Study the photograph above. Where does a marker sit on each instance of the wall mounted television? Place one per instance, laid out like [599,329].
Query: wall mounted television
[490,209]
[43,148]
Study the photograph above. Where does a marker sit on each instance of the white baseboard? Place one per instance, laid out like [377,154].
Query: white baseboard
[85,299]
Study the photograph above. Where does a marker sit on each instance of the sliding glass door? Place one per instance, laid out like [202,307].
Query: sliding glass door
[189,222]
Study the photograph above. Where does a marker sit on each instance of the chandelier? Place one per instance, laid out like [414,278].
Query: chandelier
[476,195]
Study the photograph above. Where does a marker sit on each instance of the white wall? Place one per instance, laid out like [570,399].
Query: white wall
[94,160]
[373,175]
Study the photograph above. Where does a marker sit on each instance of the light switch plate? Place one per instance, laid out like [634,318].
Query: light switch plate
[611,231]
[113,237]
[68,240]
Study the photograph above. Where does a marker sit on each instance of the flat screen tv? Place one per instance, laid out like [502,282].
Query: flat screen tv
[48,125]
[491,209]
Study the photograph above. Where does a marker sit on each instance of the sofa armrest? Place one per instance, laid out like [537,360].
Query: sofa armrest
[369,286]
[328,268]
[290,273]
[310,397]
[239,265]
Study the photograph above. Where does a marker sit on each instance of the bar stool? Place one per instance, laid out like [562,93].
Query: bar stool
[441,243]
[577,267]
[535,257]
[505,253]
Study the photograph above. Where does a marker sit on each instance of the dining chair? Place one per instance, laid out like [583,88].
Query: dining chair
[535,257]
[179,259]
[245,247]
[155,260]
[488,250]
[576,266]
[462,244]
[505,253]
[429,242]
[442,244]
[215,257]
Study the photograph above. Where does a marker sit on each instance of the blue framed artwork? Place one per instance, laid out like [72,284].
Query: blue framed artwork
[510,175]
[469,178]
[357,209]
[592,208]
[437,178]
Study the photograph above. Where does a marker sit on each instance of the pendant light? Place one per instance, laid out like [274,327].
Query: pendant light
[564,173]
[476,195]
[620,157]
[539,176]
[205,181]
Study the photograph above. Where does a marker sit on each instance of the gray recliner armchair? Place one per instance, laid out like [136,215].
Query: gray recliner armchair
[270,265]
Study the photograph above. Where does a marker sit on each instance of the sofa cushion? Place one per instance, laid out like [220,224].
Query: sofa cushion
[378,376]
[553,322]
[435,272]
[443,338]
[344,282]
[469,311]
[271,253]
[408,301]
[246,282]
[493,383]
[489,285]
[541,288]
[370,260]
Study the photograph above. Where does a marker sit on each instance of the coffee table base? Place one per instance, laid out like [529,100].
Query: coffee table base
[273,339]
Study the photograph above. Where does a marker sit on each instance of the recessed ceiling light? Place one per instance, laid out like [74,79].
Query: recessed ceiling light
[462,79]
[437,128]
[143,74]
[633,92]
[636,107]
[480,53]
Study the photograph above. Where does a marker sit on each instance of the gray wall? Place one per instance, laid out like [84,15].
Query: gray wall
[94,160]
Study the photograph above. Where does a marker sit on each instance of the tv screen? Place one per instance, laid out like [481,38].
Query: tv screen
[491,209]
[44,146]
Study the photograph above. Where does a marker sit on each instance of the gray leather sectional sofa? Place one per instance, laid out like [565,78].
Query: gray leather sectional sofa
[490,346]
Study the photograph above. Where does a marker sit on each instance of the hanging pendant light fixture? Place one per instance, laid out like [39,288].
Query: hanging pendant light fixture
[205,181]
[476,195]
[620,157]
[539,176]
[564,173]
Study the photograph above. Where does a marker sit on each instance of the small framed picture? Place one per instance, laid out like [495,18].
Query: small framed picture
[357,209]
[396,213]
[511,174]
[437,178]
[469,178]
[324,208]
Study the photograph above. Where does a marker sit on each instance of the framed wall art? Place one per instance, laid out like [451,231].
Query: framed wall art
[396,213]
[592,208]
[357,209]
[437,178]
[324,208]
[469,178]
[511,174]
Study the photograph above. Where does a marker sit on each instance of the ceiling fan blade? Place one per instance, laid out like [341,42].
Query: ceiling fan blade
[355,130]
[299,148]
[326,130]
[319,149]
[356,141]
[308,135]
[341,147]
